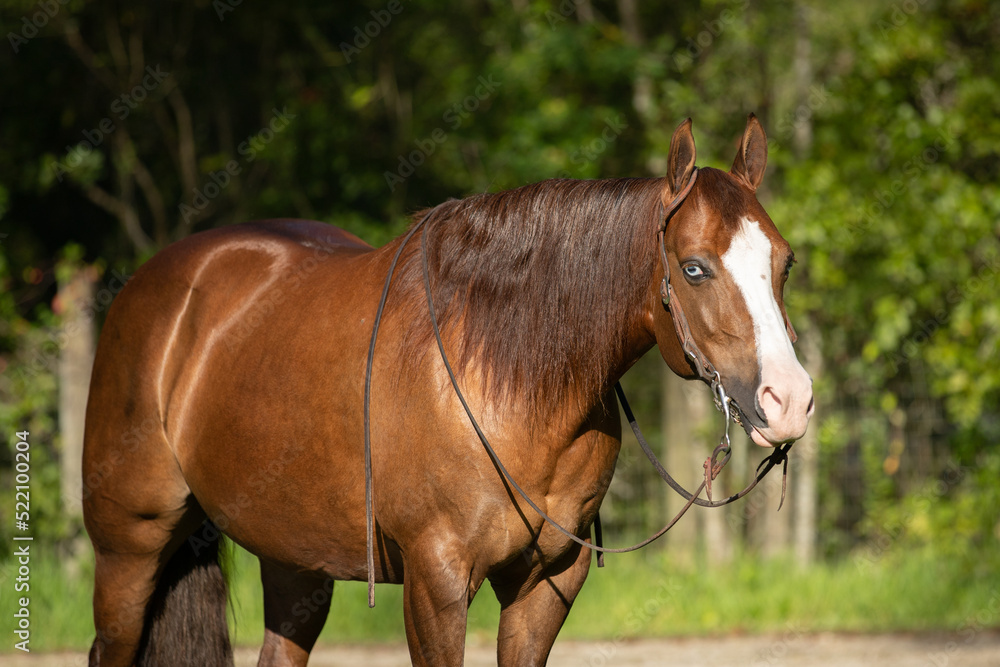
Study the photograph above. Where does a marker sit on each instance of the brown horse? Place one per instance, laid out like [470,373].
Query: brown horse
[228,390]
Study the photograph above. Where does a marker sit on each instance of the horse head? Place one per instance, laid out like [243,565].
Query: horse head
[727,264]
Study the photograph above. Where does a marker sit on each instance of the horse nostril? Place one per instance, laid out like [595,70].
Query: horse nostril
[812,407]
[770,403]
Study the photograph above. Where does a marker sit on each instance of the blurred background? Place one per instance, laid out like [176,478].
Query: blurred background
[127,126]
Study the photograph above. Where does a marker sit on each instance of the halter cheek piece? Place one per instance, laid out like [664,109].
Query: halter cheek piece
[705,369]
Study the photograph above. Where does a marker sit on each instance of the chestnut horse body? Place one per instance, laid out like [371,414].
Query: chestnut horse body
[228,387]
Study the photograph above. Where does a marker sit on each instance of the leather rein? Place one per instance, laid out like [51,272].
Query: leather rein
[713,465]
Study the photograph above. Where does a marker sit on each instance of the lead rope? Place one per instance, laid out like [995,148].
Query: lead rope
[369,509]
[778,455]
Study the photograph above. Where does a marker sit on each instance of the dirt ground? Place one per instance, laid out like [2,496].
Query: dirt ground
[791,650]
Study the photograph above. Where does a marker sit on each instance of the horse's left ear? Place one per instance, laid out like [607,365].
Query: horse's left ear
[680,162]
[751,158]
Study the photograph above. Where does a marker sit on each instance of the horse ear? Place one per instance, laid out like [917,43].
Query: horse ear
[680,163]
[751,158]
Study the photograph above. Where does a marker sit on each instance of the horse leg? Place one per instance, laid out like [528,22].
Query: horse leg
[148,582]
[123,586]
[295,609]
[530,620]
[438,587]
[128,568]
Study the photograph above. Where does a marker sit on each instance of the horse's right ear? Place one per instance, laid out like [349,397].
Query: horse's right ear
[751,158]
[680,163]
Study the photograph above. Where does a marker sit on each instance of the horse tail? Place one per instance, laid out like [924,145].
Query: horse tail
[186,622]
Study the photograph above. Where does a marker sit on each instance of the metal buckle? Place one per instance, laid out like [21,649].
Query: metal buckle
[722,403]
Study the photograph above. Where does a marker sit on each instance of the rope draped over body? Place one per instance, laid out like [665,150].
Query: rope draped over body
[706,371]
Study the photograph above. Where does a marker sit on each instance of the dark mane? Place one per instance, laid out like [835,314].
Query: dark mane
[543,280]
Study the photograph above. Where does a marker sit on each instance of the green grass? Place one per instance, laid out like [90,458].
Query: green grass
[635,595]
[60,598]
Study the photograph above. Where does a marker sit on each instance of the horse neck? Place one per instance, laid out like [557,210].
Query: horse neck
[541,290]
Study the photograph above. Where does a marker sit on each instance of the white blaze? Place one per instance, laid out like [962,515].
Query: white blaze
[748,261]
[785,391]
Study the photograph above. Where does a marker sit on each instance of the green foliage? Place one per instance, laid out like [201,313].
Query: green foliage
[895,225]
[28,395]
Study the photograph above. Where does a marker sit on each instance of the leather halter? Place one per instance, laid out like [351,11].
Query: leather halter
[705,369]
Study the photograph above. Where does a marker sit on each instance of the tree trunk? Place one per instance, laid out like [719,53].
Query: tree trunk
[719,535]
[806,451]
[803,134]
[688,416]
[805,461]
[75,302]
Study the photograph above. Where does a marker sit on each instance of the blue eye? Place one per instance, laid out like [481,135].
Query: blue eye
[694,271]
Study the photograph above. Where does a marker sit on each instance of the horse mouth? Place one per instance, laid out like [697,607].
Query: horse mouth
[758,438]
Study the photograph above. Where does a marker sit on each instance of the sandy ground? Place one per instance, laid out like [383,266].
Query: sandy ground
[821,650]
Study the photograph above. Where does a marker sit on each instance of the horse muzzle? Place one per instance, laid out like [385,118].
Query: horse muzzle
[786,406]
